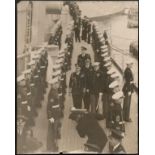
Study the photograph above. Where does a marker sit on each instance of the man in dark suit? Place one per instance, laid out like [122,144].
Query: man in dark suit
[77,86]
[115,140]
[83,57]
[87,70]
[128,90]
[96,88]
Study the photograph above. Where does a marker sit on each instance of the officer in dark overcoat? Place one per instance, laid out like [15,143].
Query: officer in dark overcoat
[77,86]
[96,88]
[128,90]
[87,70]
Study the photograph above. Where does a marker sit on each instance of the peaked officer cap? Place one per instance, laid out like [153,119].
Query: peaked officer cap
[118,95]
[113,84]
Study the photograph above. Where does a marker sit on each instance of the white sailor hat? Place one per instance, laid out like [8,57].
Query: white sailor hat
[35,56]
[115,75]
[104,54]
[113,84]
[129,61]
[56,66]
[102,39]
[107,64]
[31,63]
[96,63]
[61,51]
[118,95]
[54,80]
[111,71]
[56,73]
[104,50]
[58,61]
[27,71]
[104,46]
[20,78]
[107,59]
[61,55]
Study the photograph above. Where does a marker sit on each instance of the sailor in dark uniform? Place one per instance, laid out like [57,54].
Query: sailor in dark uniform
[117,121]
[115,146]
[84,28]
[89,31]
[25,105]
[21,129]
[96,88]
[77,30]
[77,86]
[82,57]
[87,70]
[128,90]
[54,115]
[27,74]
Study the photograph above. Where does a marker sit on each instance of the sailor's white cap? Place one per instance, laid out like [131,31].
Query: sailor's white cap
[60,60]
[56,66]
[31,63]
[54,80]
[102,39]
[104,50]
[56,73]
[107,59]
[27,71]
[61,51]
[104,54]
[118,95]
[111,71]
[20,78]
[113,84]
[104,46]
[96,63]
[107,64]
[115,75]
[35,56]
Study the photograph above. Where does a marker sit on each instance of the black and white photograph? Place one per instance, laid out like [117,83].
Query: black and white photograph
[77,77]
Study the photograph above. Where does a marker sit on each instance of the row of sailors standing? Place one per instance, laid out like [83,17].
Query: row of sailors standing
[57,93]
[31,86]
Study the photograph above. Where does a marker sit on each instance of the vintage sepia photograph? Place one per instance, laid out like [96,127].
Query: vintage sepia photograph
[77,77]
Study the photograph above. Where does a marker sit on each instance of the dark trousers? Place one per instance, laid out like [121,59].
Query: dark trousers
[84,35]
[126,107]
[77,100]
[89,38]
[77,35]
[51,138]
[93,102]
[86,100]
[105,102]
[108,109]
